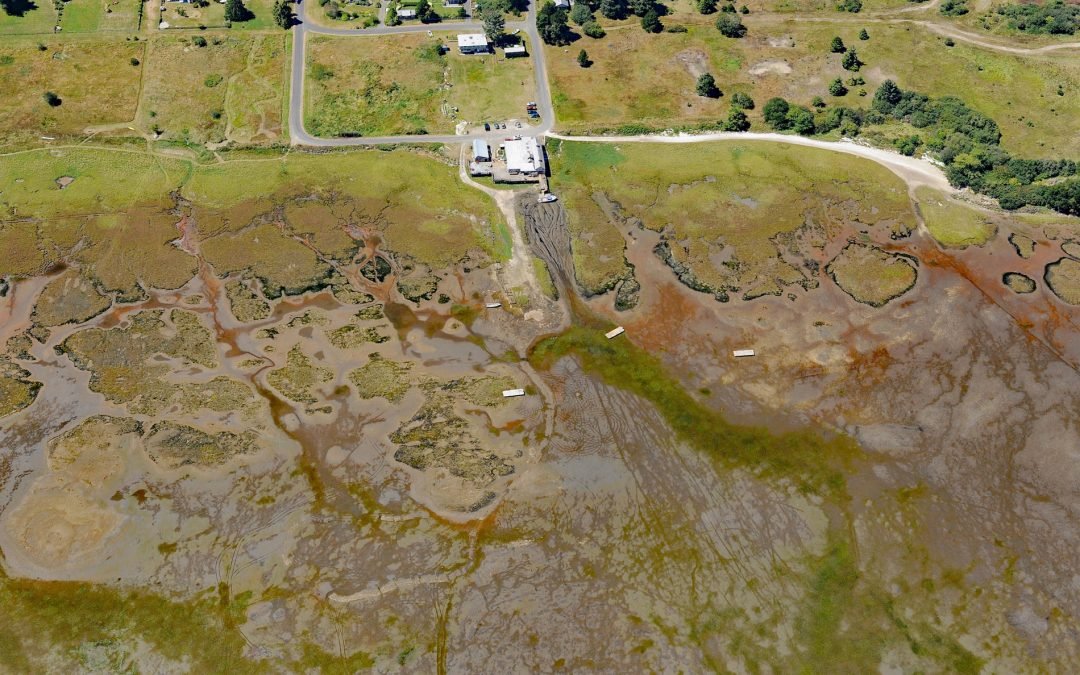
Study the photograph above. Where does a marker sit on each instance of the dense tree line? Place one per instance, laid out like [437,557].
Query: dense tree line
[967,142]
[1055,17]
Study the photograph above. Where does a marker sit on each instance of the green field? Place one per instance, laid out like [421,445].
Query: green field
[725,209]
[33,16]
[641,78]
[401,85]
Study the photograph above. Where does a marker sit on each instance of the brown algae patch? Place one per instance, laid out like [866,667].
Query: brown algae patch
[1024,246]
[1019,283]
[69,298]
[173,445]
[436,437]
[1063,278]
[17,390]
[1071,249]
[381,377]
[870,275]
[125,367]
[245,303]
[298,377]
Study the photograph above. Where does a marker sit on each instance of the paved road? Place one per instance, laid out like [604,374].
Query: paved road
[299,136]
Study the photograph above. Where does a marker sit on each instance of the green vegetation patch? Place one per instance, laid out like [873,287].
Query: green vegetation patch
[870,275]
[806,458]
[17,389]
[297,379]
[282,264]
[351,336]
[745,217]
[952,223]
[1024,246]
[1063,278]
[381,377]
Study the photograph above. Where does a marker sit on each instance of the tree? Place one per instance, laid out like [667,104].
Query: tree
[736,121]
[593,30]
[134,61]
[801,120]
[742,101]
[853,6]
[651,22]
[236,12]
[837,88]
[613,9]
[283,15]
[886,97]
[776,113]
[730,25]
[707,6]
[641,7]
[863,35]
[551,24]
[583,59]
[706,86]
[837,46]
[581,14]
[426,14]
[851,61]
[817,102]
[52,99]
[198,41]
[391,16]
[494,25]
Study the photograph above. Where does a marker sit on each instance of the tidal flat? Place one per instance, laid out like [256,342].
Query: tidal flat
[275,439]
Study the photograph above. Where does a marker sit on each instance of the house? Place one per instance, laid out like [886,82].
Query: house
[455,3]
[524,156]
[514,51]
[406,13]
[562,4]
[481,150]
[472,44]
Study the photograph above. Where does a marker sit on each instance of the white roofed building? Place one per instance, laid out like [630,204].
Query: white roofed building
[524,156]
[469,43]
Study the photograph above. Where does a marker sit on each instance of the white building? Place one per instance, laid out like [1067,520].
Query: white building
[472,44]
[514,50]
[524,156]
[562,4]
[406,13]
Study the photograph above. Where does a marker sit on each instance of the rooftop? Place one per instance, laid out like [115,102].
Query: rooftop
[472,40]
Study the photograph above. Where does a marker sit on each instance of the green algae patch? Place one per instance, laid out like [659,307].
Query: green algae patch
[62,621]
[298,377]
[845,624]
[381,377]
[245,303]
[283,264]
[17,390]
[69,298]
[952,223]
[351,336]
[813,462]
[870,275]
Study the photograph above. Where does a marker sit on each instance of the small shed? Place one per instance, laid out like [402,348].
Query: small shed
[481,150]
[406,13]
[513,51]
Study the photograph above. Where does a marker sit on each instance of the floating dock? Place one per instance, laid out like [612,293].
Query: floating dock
[615,332]
[510,393]
[739,353]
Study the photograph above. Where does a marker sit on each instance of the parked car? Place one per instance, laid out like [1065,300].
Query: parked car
[487,127]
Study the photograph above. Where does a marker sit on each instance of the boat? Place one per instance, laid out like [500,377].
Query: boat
[615,332]
[493,305]
[547,198]
[742,353]
[511,393]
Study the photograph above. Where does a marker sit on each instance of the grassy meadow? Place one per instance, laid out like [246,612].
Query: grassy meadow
[637,77]
[400,84]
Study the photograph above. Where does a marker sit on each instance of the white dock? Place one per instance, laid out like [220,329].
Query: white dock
[739,353]
[493,305]
[510,393]
[615,332]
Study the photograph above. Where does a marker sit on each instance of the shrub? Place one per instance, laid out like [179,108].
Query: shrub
[198,41]
[706,86]
[134,61]
[707,6]
[730,25]
[775,112]
[212,80]
[837,88]
[52,99]
[853,6]
[736,121]
[742,101]
[953,7]
[651,22]
[837,46]
[863,35]
[593,30]
[851,61]
[320,72]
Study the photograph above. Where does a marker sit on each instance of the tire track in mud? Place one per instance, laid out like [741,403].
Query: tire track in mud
[548,234]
